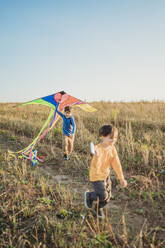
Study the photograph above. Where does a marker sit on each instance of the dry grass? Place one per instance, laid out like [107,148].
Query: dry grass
[35,211]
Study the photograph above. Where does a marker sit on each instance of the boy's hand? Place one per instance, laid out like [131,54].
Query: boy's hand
[123,183]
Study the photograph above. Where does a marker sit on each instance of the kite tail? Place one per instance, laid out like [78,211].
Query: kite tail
[31,146]
[33,157]
[31,153]
[50,126]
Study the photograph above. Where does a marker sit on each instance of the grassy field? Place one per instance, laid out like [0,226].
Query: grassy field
[42,206]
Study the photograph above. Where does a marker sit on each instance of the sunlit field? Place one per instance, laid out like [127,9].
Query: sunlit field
[43,206]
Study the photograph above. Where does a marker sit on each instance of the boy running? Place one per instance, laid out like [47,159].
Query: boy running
[69,128]
[104,158]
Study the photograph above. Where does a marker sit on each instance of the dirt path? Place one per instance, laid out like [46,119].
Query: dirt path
[116,209]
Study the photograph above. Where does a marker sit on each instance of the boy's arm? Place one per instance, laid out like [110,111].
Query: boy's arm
[116,165]
[61,114]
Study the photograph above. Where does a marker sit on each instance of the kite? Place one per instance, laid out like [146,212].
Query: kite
[55,101]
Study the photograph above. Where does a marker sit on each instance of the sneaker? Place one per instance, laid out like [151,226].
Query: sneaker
[87,200]
[65,157]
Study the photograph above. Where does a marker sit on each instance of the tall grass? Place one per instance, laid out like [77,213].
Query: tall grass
[37,211]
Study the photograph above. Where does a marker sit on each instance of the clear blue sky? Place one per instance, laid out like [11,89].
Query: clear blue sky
[93,49]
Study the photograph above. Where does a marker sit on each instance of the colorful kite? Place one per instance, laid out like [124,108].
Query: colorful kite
[56,101]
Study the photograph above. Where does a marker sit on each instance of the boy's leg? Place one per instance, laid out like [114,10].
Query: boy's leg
[89,197]
[70,143]
[103,192]
[65,145]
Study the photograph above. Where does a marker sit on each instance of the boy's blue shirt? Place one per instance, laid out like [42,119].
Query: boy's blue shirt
[69,126]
